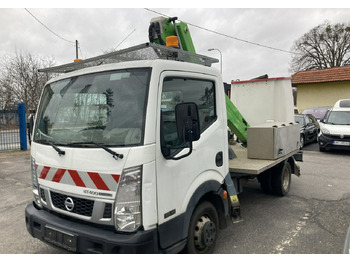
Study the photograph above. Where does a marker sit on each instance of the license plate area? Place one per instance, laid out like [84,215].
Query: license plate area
[60,238]
[341,143]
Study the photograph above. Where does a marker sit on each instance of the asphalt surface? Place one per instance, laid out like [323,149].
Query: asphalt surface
[16,189]
[312,219]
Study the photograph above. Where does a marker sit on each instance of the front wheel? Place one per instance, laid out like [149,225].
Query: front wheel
[203,230]
[322,149]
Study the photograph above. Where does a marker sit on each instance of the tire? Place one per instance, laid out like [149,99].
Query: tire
[265,182]
[281,179]
[203,230]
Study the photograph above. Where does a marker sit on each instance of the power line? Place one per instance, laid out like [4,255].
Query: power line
[48,28]
[124,40]
[225,35]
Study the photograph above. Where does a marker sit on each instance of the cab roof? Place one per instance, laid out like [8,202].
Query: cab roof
[342,105]
[147,51]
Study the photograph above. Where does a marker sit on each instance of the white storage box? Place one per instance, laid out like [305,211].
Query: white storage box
[264,100]
[272,140]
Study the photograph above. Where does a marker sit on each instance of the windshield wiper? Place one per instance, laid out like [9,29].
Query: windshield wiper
[115,155]
[44,141]
[59,151]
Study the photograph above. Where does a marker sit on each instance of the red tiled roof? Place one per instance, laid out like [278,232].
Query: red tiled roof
[324,75]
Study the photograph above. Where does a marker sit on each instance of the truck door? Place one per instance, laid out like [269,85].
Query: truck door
[205,168]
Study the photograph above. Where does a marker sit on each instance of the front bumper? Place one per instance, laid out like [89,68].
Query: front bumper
[334,142]
[84,238]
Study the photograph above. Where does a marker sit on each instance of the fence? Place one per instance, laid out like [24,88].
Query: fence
[13,129]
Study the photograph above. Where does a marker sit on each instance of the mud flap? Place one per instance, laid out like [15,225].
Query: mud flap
[295,168]
[235,207]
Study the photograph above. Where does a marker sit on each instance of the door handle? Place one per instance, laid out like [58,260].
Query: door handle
[219,159]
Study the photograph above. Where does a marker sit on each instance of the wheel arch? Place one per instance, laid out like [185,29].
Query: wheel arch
[211,191]
[176,230]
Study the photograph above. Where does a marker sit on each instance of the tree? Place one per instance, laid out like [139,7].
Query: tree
[20,80]
[324,46]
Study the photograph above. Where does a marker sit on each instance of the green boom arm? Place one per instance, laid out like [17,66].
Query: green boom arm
[235,121]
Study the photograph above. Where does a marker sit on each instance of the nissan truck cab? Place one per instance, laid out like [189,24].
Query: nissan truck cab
[131,157]
[335,128]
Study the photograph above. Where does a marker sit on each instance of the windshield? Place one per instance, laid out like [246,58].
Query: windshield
[339,118]
[106,108]
[299,119]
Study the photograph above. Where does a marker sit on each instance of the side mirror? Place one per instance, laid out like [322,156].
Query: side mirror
[187,129]
[30,126]
[187,122]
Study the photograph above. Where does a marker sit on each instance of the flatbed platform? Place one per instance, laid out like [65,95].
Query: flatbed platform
[242,165]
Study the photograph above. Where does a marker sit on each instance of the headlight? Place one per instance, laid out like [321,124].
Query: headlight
[35,182]
[127,213]
[325,131]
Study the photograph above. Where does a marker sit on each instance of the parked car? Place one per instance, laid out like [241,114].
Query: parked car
[335,128]
[318,112]
[314,120]
[308,130]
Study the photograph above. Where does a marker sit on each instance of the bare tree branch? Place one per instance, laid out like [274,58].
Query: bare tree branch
[20,80]
[324,46]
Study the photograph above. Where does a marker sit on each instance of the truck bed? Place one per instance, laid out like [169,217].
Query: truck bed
[242,165]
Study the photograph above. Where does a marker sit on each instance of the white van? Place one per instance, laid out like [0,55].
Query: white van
[335,128]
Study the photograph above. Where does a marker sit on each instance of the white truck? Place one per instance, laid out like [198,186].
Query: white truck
[133,157]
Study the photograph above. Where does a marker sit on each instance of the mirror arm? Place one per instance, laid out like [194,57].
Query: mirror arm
[190,147]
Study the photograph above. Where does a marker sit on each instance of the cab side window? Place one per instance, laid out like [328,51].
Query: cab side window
[180,90]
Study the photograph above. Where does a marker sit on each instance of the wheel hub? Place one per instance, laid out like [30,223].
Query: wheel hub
[285,180]
[205,233]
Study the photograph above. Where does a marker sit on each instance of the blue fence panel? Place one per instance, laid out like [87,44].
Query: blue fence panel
[13,129]
[9,131]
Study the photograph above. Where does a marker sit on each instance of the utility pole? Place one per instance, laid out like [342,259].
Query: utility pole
[76,52]
[76,49]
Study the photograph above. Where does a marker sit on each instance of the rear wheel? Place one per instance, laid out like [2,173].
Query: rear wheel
[281,179]
[203,230]
[265,182]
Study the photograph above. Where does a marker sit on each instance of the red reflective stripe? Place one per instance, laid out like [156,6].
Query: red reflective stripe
[116,178]
[44,172]
[76,178]
[98,181]
[58,175]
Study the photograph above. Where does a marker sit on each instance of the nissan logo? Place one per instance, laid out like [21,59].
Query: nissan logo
[69,204]
[341,136]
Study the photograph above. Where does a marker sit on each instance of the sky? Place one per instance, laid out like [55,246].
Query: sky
[253,40]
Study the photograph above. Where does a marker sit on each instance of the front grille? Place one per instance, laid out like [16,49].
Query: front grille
[337,137]
[82,206]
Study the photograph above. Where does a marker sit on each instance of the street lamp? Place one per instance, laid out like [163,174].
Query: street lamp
[211,49]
